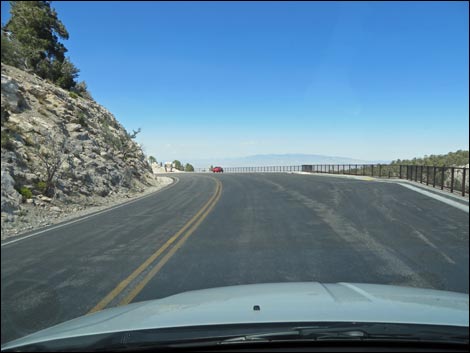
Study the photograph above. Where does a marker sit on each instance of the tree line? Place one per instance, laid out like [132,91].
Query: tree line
[457,158]
[30,42]
[178,165]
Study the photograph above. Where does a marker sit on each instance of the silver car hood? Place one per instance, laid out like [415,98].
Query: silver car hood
[278,303]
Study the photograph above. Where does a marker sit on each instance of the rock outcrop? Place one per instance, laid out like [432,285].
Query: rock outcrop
[59,146]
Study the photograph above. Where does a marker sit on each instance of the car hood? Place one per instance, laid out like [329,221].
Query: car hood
[278,303]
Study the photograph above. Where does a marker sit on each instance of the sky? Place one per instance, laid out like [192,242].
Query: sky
[366,80]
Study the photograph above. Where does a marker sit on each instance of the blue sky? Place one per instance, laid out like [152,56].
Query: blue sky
[367,80]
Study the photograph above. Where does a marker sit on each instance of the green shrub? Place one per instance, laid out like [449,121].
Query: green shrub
[82,120]
[28,141]
[73,95]
[26,193]
[7,142]
[41,186]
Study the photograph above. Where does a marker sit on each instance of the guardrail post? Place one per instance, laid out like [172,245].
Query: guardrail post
[380,170]
[442,178]
[400,170]
[372,169]
[434,177]
[463,181]
[452,171]
[427,175]
[421,176]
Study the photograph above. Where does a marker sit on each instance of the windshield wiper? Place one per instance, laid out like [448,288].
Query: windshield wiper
[353,333]
[300,333]
[202,337]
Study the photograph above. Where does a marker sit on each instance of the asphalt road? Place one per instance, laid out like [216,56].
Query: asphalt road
[217,230]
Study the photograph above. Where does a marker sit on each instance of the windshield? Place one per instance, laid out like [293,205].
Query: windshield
[241,163]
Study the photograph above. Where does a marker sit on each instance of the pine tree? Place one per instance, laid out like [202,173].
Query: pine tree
[36,27]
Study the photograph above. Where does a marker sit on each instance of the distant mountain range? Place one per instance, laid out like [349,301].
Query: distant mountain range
[278,159]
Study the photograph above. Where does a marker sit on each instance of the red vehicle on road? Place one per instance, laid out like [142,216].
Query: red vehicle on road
[217,170]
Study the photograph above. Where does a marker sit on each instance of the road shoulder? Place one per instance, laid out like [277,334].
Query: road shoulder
[65,219]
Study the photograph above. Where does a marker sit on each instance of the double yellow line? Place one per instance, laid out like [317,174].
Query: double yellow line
[188,229]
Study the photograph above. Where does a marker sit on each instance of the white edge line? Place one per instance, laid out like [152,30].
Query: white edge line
[437,197]
[90,215]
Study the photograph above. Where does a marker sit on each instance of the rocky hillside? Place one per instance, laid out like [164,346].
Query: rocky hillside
[59,149]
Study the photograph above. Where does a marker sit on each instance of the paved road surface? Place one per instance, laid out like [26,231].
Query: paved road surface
[217,230]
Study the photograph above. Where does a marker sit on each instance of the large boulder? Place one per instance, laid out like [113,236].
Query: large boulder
[11,199]
[11,95]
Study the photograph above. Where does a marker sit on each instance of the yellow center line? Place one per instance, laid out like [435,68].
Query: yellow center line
[138,288]
[123,284]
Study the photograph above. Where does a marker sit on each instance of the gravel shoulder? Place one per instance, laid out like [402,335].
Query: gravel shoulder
[45,212]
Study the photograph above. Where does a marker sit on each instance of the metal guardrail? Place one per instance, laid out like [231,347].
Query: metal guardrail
[453,179]
[259,169]
[264,169]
